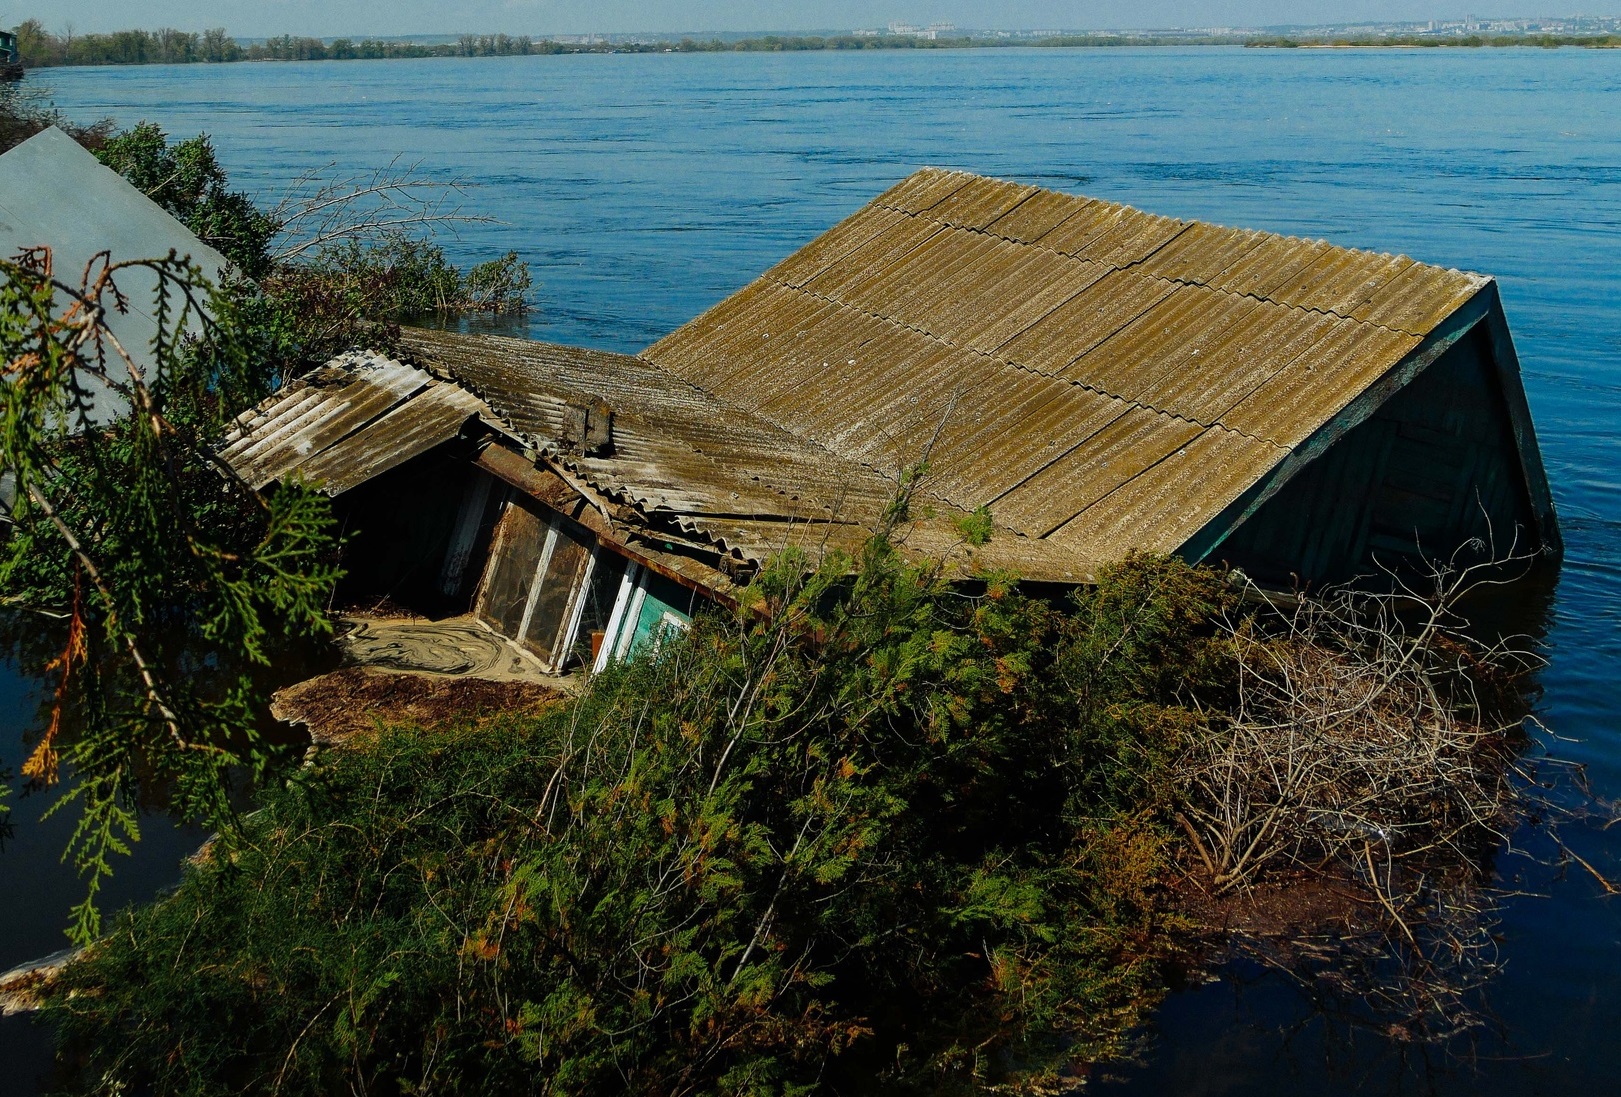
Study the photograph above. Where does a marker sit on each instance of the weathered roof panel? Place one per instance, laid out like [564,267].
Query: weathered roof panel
[1164,359]
[1031,220]
[923,189]
[1068,332]
[346,422]
[978,203]
[1171,500]
[828,248]
[1121,449]
[1416,300]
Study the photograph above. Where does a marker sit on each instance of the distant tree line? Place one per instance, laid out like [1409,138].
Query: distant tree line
[40,48]
[1546,41]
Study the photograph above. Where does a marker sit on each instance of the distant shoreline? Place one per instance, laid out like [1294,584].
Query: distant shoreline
[41,49]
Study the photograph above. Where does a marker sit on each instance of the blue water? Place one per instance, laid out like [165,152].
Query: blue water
[644,188]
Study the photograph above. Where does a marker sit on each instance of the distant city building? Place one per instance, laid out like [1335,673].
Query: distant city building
[932,31]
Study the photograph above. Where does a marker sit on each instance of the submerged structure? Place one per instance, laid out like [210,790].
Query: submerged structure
[1101,380]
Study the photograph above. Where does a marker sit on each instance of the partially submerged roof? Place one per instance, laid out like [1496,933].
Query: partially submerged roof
[1104,379]
[55,194]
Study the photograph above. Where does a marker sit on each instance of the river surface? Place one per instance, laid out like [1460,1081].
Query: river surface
[643,188]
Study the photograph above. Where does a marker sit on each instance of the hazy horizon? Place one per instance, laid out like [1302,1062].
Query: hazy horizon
[363,18]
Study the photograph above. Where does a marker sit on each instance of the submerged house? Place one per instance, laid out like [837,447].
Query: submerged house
[1101,379]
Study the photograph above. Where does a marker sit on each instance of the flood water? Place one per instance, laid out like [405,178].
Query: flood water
[643,188]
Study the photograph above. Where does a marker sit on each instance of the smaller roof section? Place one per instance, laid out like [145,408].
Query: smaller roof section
[55,194]
[359,415]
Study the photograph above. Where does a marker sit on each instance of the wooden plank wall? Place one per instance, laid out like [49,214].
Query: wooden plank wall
[1435,467]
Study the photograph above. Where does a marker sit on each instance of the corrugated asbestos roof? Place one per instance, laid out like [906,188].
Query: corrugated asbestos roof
[686,460]
[1104,379]
[359,415]
[682,461]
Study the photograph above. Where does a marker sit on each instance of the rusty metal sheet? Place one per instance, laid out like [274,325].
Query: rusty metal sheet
[979,203]
[1162,507]
[1031,220]
[1127,444]
[1201,252]
[834,244]
[1084,321]
[1271,263]
[1305,394]
[1176,333]
[1420,297]
[923,189]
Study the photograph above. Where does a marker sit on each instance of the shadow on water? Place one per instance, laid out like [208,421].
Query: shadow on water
[38,888]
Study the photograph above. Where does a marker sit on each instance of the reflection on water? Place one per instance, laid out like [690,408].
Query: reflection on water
[644,188]
[510,324]
[36,887]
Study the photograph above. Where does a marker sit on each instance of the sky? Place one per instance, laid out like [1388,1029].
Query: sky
[325,18]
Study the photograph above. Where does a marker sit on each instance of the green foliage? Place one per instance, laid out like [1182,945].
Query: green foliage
[976,527]
[186,179]
[864,837]
[357,292]
[498,286]
[394,277]
[176,578]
